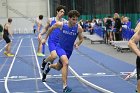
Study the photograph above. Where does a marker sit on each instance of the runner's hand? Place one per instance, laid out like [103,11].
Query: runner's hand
[43,41]
[76,46]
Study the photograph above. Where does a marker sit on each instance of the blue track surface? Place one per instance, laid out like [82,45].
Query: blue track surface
[22,74]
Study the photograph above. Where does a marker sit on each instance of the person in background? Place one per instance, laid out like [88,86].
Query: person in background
[6,32]
[37,29]
[117,27]
[54,36]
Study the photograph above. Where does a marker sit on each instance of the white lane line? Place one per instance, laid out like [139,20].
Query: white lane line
[89,83]
[59,76]
[32,92]
[39,68]
[2,66]
[5,45]
[6,79]
[2,48]
[26,56]
[34,68]
[26,46]
[84,75]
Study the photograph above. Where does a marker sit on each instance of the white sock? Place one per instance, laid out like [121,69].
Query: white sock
[46,60]
[49,66]
[64,86]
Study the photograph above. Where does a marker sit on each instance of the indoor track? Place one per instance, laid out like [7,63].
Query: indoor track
[89,71]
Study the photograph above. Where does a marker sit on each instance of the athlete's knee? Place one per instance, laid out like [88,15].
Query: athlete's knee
[65,63]
[53,57]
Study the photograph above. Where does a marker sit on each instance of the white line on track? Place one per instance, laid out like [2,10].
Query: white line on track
[3,48]
[39,68]
[6,78]
[24,78]
[26,56]
[1,67]
[32,92]
[89,83]
[84,75]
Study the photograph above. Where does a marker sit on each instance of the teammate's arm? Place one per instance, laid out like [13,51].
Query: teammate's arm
[56,25]
[44,29]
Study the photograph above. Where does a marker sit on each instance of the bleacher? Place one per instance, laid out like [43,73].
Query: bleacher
[97,36]
[120,46]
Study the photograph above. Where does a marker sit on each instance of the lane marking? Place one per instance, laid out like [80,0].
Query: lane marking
[39,68]
[26,56]
[33,91]
[2,48]
[25,78]
[34,69]
[2,66]
[6,79]
[100,64]
[89,83]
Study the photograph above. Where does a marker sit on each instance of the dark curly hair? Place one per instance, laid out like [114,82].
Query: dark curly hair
[73,13]
[60,7]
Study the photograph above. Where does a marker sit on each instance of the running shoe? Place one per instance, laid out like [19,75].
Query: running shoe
[44,77]
[136,91]
[40,55]
[10,55]
[5,52]
[67,89]
[44,74]
[43,64]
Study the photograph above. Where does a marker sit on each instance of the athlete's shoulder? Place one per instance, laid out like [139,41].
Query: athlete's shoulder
[64,20]
[59,23]
[52,18]
[49,21]
[7,25]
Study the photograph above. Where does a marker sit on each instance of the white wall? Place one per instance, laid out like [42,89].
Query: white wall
[30,8]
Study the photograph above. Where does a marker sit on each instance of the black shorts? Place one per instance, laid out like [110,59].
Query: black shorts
[6,38]
[138,67]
